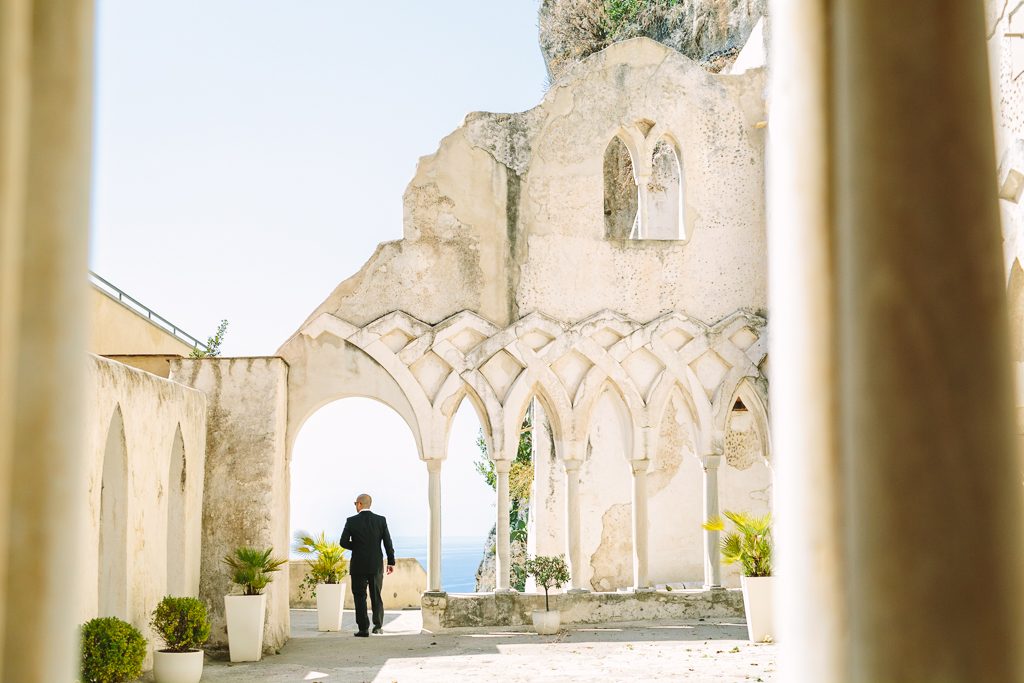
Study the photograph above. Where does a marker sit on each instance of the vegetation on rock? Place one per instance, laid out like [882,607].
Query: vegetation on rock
[213,343]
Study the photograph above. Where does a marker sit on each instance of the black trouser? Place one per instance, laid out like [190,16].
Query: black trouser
[360,582]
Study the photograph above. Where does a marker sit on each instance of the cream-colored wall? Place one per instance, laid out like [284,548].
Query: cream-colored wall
[152,410]
[401,590]
[245,501]
[116,329]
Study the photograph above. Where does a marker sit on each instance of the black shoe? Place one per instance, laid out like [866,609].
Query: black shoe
[361,634]
[377,630]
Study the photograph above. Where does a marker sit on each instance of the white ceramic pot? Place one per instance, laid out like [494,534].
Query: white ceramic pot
[330,600]
[178,667]
[246,615]
[547,622]
[759,604]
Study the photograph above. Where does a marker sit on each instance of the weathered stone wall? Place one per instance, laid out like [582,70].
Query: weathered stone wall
[245,501]
[442,613]
[154,433]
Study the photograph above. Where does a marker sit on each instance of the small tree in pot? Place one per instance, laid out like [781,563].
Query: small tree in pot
[548,572]
[252,570]
[751,546]
[327,567]
[183,625]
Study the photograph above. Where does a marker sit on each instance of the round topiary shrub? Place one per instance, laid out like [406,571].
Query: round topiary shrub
[112,651]
[181,623]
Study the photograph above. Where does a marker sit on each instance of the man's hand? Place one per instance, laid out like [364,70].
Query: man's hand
[391,568]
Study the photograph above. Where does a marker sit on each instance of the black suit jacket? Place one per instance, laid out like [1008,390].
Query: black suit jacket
[363,535]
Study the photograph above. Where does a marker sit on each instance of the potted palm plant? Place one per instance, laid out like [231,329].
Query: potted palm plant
[184,627]
[751,546]
[251,570]
[549,572]
[327,567]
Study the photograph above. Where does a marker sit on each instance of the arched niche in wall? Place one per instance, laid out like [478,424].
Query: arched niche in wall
[621,199]
[665,216]
[176,546]
[1015,300]
[113,547]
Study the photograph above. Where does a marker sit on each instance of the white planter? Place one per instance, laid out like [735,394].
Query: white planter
[547,622]
[759,604]
[178,667]
[330,600]
[246,615]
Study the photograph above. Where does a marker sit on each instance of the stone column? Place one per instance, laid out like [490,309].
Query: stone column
[894,129]
[573,547]
[503,540]
[45,164]
[643,202]
[434,540]
[712,553]
[640,550]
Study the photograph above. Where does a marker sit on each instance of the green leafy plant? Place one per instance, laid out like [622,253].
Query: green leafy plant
[251,568]
[182,623]
[549,572]
[325,559]
[750,544]
[213,343]
[112,651]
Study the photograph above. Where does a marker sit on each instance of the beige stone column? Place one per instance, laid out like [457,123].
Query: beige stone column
[712,553]
[932,480]
[45,166]
[573,546]
[643,204]
[503,540]
[640,524]
[803,388]
[434,538]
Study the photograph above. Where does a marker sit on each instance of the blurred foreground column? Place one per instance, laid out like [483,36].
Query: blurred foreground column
[45,161]
[882,187]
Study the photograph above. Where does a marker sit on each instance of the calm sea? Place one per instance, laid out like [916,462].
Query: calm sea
[460,558]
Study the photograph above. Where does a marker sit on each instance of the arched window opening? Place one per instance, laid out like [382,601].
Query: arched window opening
[176,545]
[1015,299]
[621,198]
[665,194]
[113,546]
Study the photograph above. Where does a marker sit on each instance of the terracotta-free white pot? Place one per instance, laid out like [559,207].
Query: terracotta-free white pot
[178,667]
[759,604]
[330,601]
[246,615]
[547,622]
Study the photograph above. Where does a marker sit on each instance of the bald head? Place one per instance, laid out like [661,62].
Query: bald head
[364,500]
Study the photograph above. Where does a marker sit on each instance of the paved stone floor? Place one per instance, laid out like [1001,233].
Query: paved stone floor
[712,651]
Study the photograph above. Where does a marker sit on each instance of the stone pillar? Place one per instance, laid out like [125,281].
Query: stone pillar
[45,164]
[712,552]
[643,205]
[573,546]
[640,550]
[803,388]
[503,540]
[894,130]
[434,540]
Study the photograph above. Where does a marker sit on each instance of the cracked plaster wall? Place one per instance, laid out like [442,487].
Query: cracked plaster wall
[152,410]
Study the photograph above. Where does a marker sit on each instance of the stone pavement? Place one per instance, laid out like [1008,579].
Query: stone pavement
[712,651]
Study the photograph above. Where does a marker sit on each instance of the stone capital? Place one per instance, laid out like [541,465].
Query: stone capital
[502,466]
[711,461]
[640,466]
[572,465]
[433,464]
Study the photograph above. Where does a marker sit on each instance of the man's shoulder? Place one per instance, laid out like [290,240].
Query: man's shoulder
[352,519]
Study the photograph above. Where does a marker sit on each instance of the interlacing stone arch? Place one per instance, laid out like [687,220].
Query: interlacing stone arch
[566,366]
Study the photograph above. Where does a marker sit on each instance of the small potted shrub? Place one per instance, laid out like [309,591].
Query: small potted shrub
[751,546]
[251,570]
[327,568]
[184,627]
[548,572]
[112,651]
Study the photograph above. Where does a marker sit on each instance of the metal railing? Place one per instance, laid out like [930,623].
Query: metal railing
[126,300]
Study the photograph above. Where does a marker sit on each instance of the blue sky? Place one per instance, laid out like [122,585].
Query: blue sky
[251,154]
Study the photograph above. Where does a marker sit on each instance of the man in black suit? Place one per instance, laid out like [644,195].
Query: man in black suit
[363,534]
